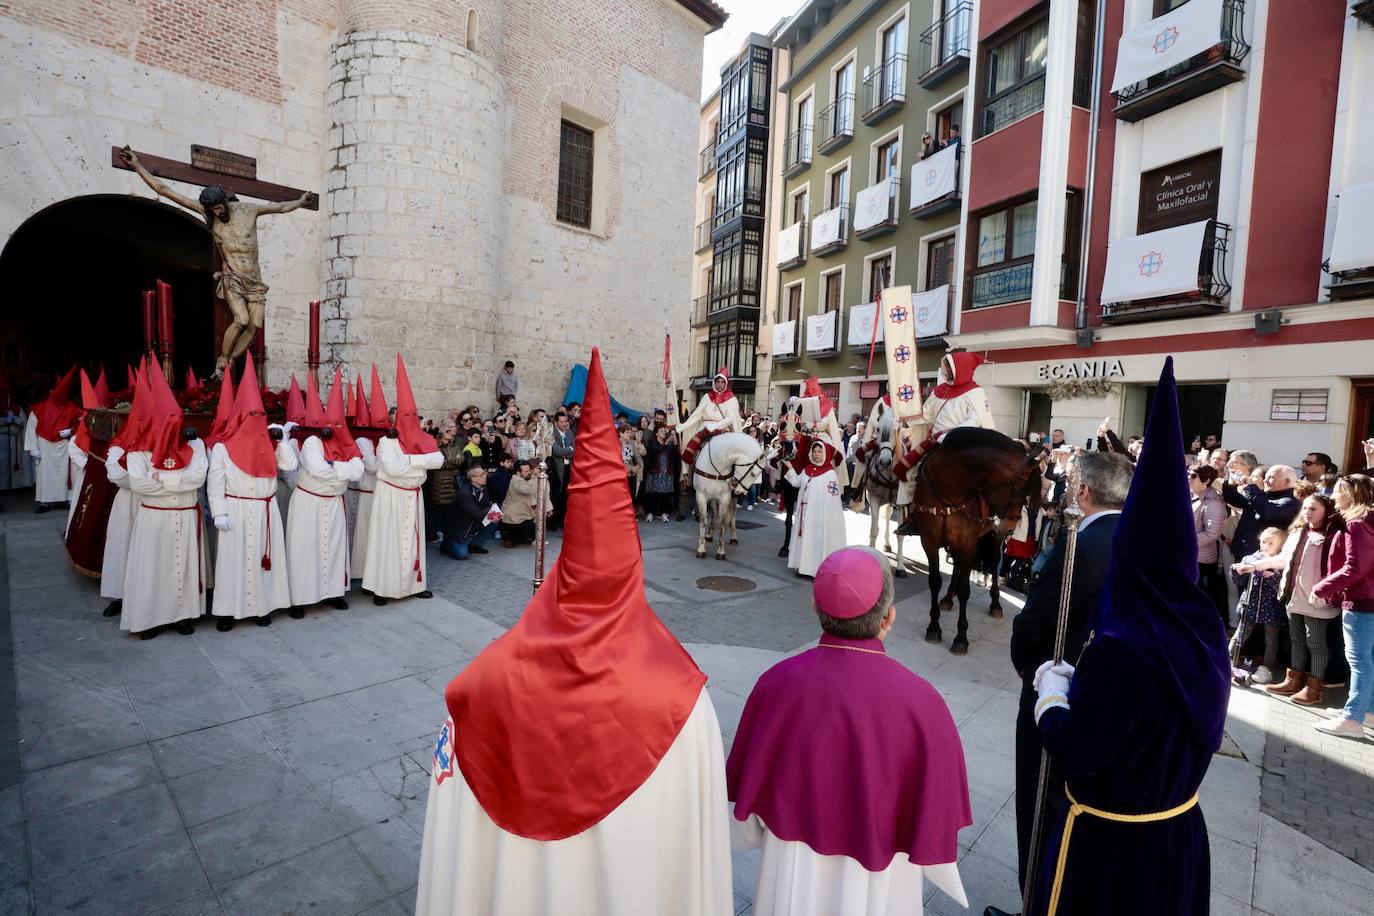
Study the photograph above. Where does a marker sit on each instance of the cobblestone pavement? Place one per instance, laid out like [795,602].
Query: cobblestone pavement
[285,769]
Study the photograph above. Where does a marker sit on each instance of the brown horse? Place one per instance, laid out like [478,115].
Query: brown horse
[977,482]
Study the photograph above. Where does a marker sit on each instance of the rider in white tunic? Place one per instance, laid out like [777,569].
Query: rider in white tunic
[819,529]
[395,565]
[957,400]
[718,412]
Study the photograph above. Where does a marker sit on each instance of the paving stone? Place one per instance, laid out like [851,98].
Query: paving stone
[214,792]
[333,879]
[83,833]
[242,842]
[210,747]
[392,847]
[159,870]
[60,787]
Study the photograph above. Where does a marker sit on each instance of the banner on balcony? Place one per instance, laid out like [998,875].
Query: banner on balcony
[872,206]
[827,228]
[785,338]
[1353,246]
[790,243]
[820,332]
[861,318]
[932,312]
[899,330]
[1163,263]
[1167,41]
[935,177]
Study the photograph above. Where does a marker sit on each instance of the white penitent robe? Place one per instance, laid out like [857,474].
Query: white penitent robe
[715,417]
[968,409]
[50,464]
[795,880]
[316,529]
[164,578]
[286,480]
[77,456]
[394,565]
[360,505]
[818,530]
[663,851]
[119,528]
[245,588]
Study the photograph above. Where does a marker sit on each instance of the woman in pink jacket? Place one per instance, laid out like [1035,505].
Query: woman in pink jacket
[1351,586]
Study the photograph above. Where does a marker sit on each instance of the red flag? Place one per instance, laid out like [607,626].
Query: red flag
[667,360]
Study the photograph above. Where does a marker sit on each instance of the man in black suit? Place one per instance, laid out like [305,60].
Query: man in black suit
[560,466]
[1104,481]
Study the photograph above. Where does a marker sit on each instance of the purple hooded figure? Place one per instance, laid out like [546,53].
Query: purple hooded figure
[847,768]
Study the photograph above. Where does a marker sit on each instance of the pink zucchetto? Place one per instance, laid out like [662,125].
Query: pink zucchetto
[848,583]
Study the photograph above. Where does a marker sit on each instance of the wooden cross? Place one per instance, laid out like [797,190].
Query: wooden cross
[236,182]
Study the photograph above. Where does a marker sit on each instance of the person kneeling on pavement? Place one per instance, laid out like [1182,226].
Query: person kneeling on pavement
[465,519]
[518,511]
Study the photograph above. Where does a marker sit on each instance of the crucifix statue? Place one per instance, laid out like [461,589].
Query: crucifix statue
[233,226]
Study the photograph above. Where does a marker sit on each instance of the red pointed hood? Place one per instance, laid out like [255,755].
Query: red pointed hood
[568,713]
[192,383]
[133,436]
[225,414]
[133,377]
[102,390]
[376,403]
[350,402]
[248,444]
[359,416]
[58,411]
[89,401]
[812,389]
[295,404]
[720,397]
[314,410]
[170,451]
[414,440]
[340,445]
[960,367]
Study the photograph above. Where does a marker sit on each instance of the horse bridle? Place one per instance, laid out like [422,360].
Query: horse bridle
[736,480]
[885,479]
[947,508]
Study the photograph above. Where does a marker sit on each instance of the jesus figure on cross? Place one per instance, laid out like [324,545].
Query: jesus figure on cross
[233,225]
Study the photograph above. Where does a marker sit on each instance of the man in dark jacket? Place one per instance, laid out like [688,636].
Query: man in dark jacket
[465,530]
[1273,507]
[1104,481]
[560,467]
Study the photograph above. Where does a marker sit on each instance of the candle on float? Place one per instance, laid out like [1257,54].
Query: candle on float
[149,319]
[164,315]
[313,349]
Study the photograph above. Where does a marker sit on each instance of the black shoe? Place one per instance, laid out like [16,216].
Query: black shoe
[338,604]
[265,620]
[224,624]
[148,634]
[297,613]
[998,911]
[186,627]
[113,608]
[782,551]
[424,594]
[42,507]
[475,549]
[379,600]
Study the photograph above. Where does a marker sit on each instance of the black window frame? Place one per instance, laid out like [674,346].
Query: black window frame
[575,193]
[985,97]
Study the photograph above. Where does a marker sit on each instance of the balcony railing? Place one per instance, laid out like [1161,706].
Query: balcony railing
[836,123]
[703,233]
[1015,105]
[1216,67]
[701,308]
[945,46]
[877,209]
[885,89]
[707,160]
[1002,285]
[797,151]
[830,230]
[1213,286]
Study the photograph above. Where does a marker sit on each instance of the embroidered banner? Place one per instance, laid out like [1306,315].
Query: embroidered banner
[785,338]
[827,228]
[1167,41]
[790,243]
[861,318]
[873,205]
[820,332]
[935,177]
[932,312]
[1353,246]
[899,329]
[1163,263]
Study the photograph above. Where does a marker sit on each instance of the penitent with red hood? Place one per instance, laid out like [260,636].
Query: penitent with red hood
[250,551]
[394,563]
[580,770]
[50,425]
[958,400]
[125,507]
[164,579]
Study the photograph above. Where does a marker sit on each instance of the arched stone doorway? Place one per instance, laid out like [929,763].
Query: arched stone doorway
[72,277]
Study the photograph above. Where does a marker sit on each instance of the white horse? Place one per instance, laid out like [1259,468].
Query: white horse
[881,488]
[725,468]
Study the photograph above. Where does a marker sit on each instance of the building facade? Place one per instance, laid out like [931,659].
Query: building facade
[1201,197]
[872,160]
[497,180]
[703,256]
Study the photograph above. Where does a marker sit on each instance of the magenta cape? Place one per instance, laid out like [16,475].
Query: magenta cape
[852,754]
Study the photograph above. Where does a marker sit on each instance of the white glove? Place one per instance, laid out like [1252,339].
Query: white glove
[287,427]
[65,434]
[1051,682]
[222,522]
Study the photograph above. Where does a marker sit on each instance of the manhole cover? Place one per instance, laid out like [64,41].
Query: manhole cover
[726,584]
[745,526]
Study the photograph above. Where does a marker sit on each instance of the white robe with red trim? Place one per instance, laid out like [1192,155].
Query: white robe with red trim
[360,495]
[968,409]
[164,578]
[394,564]
[818,525]
[77,457]
[245,589]
[119,528]
[664,851]
[50,464]
[316,530]
[715,417]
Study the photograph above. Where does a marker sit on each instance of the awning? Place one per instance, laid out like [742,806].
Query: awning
[1167,41]
[827,228]
[861,324]
[1163,263]
[785,338]
[935,177]
[932,312]
[820,332]
[1353,246]
[873,205]
[790,243]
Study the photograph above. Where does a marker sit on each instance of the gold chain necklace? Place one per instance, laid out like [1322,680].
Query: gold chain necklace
[826,645]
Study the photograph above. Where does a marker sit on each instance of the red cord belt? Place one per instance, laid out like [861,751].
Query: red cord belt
[266,520]
[419,575]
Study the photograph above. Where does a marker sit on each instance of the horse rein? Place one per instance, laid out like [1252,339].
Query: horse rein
[736,480]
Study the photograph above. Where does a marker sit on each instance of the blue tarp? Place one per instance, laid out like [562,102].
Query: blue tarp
[577,391]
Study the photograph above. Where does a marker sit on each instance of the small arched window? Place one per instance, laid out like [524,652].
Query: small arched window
[472,30]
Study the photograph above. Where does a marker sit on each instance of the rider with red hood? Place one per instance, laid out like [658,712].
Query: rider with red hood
[718,412]
[50,425]
[957,400]
[164,579]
